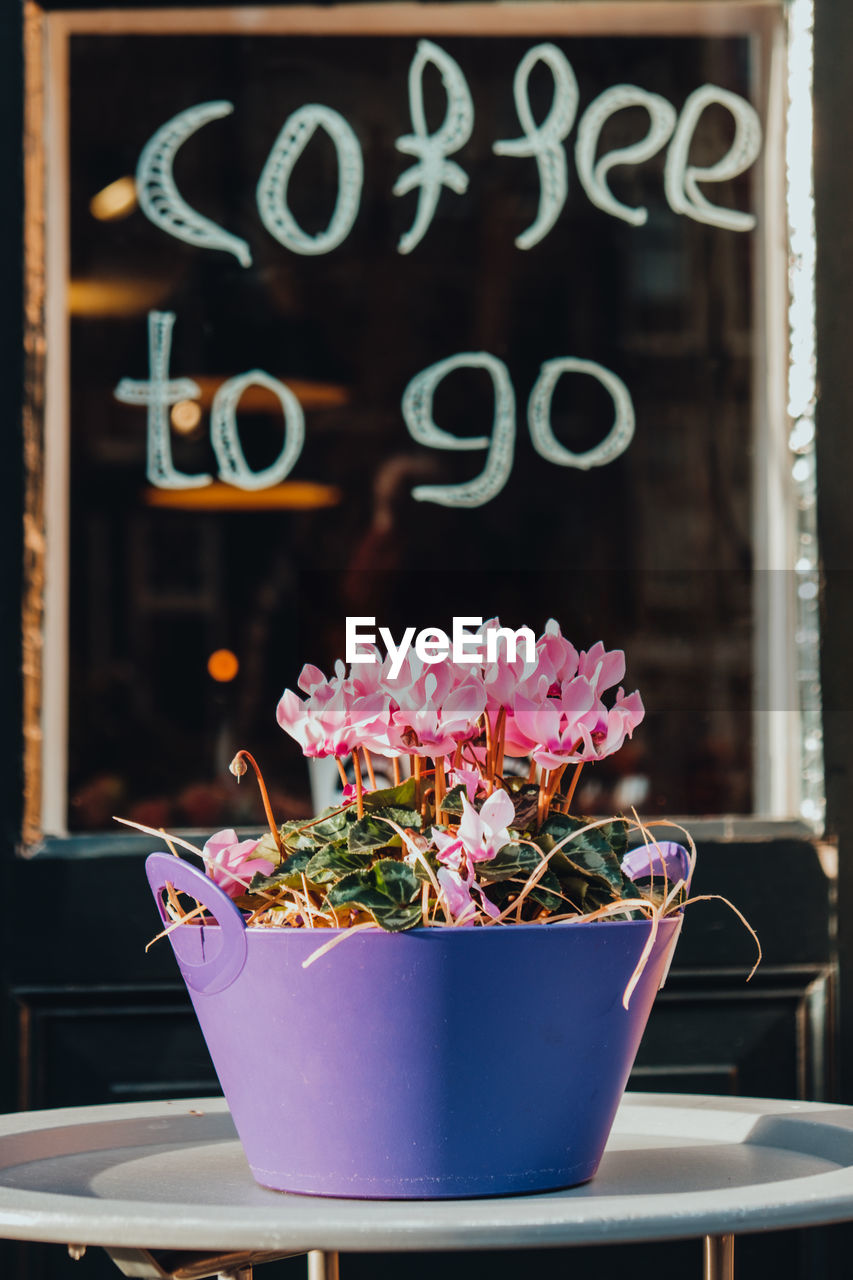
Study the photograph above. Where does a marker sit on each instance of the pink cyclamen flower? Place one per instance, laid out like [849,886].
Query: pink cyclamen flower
[335,717]
[557,657]
[604,730]
[231,862]
[602,668]
[349,793]
[552,728]
[470,779]
[436,713]
[311,678]
[556,663]
[576,726]
[457,887]
[479,835]
[503,676]
[457,894]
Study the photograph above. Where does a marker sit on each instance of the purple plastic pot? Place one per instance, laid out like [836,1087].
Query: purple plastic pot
[435,1063]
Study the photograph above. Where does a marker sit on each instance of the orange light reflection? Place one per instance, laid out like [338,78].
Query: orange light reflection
[290,495]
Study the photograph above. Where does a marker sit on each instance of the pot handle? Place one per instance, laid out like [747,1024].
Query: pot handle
[663,858]
[218,971]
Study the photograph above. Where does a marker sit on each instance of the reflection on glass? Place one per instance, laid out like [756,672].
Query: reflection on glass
[650,552]
[115,200]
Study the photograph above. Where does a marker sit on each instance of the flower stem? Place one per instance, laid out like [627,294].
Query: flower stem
[500,738]
[395,765]
[554,786]
[429,794]
[371,775]
[359,783]
[440,789]
[548,785]
[544,780]
[238,768]
[490,759]
[342,771]
[574,782]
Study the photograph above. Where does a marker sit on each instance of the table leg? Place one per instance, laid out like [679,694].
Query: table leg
[323,1265]
[181,1264]
[718,1256]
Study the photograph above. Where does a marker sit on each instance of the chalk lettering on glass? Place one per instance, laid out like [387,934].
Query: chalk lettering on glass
[157,394]
[433,170]
[417,413]
[296,133]
[681,179]
[225,436]
[544,141]
[593,175]
[545,442]
[158,194]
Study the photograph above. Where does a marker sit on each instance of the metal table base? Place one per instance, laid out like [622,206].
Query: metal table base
[717,1263]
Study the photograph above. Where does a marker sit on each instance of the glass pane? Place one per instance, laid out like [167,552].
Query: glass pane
[649,551]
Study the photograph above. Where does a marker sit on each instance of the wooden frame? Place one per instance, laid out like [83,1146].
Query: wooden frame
[579,17]
[45,611]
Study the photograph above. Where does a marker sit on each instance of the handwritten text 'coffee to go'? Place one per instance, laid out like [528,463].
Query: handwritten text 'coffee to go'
[432,171]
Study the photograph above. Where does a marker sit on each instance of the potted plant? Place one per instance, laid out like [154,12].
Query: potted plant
[434,989]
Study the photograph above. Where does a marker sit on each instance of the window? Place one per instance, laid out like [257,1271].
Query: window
[412,312]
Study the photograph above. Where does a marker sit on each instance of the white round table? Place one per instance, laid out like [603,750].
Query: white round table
[166,1185]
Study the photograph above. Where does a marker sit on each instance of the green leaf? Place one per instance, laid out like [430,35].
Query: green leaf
[396,879]
[616,834]
[602,863]
[431,861]
[288,875]
[333,862]
[293,837]
[293,826]
[598,851]
[369,833]
[267,848]
[511,860]
[545,893]
[569,872]
[578,892]
[402,817]
[389,890]
[452,802]
[334,825]
[403,796]
[500,892]
[525,797]
[610,836]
